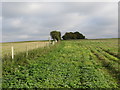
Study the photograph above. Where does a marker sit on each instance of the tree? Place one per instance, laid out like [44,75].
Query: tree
[79,35]
[55,35]
[71,35]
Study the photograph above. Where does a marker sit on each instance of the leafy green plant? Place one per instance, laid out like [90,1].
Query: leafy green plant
[68,64]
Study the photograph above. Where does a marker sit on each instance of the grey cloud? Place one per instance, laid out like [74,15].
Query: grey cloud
[32,21]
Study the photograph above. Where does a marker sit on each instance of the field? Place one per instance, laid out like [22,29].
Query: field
[21,46]
[67,64]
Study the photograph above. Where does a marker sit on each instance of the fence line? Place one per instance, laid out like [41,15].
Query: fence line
[27,47]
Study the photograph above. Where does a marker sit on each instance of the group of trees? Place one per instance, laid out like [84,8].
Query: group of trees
[56,35]
[73,35]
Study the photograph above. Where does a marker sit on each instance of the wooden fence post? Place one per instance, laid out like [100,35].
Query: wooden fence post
[12,49]
[53,42]
[26,51]
[49,39]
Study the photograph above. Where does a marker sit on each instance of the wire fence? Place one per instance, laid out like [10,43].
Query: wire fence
[11,49]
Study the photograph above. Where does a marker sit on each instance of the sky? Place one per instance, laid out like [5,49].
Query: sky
[24,21]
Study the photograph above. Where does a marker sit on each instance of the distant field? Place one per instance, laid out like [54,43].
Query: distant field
[68,64]
[21,46]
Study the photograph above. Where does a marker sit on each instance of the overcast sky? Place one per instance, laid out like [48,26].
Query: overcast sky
[34,21]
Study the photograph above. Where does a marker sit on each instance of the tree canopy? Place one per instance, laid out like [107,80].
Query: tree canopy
[73,35]
[56,35]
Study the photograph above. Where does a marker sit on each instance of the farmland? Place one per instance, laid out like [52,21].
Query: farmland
[21,46]
[67,64]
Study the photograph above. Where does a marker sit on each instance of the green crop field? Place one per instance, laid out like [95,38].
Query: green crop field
[67,64]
